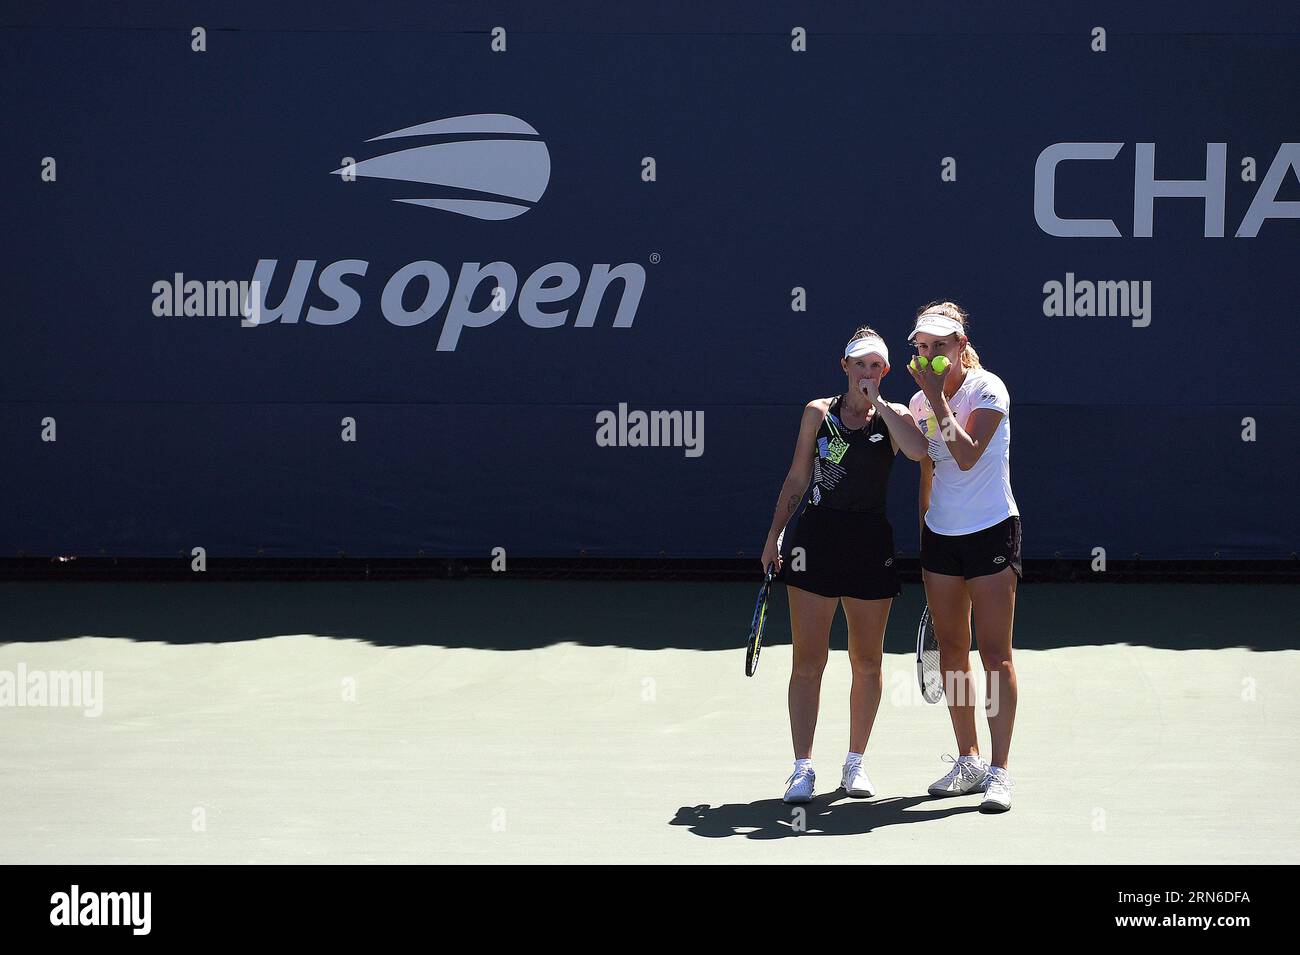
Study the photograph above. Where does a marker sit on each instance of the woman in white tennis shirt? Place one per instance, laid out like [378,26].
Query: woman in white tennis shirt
[970,543]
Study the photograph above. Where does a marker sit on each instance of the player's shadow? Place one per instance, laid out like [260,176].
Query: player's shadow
[832,814]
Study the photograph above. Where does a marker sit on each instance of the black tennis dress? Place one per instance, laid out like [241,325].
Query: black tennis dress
[842,545]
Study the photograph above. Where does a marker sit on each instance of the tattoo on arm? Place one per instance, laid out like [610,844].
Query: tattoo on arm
[791,504]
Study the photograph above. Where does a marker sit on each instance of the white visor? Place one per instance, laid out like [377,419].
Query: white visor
[870,345]
[937,323]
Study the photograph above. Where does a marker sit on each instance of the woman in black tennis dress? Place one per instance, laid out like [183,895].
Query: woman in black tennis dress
[841,551]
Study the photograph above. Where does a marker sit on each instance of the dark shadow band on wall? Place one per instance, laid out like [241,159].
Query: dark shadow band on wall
[515,614]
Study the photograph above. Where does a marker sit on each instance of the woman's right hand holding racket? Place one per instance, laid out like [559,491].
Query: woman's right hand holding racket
[772,554]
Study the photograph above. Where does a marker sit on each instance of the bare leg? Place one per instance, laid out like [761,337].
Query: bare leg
[810,627]
[994,601]
[867,620]
[950,607]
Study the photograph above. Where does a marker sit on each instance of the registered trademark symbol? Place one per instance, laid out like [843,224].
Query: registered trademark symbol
[654,258]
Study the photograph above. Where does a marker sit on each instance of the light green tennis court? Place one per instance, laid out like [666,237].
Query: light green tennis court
[580,721]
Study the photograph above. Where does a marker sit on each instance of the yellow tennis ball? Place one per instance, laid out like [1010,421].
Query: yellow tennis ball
[919,363]
[939,365]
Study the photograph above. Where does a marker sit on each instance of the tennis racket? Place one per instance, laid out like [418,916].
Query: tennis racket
[756,626]
[928,673]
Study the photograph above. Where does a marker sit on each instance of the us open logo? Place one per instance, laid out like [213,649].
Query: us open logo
[490,177]
[487,166]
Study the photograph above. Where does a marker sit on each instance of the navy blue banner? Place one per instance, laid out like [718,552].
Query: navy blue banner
[291,283]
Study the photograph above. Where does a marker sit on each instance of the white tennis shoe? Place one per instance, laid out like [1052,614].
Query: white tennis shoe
[968,775]
[997,797]
[854,780]
[801,783]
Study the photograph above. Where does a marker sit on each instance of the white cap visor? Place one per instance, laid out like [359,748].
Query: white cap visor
[866,346]
[937,323]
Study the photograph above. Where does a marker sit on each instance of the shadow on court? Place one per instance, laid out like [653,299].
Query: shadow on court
[832,814]
[518,614]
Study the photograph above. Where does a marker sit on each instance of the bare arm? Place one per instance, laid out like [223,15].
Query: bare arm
[967,444]
[904,433]
[796,480]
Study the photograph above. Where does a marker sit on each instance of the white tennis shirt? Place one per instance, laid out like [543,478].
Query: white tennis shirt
[963,502]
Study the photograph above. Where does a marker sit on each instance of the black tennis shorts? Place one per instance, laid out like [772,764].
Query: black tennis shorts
[980,554]
[843,554]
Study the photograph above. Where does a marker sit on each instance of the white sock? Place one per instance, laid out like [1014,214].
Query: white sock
[803,764]
[853,758]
